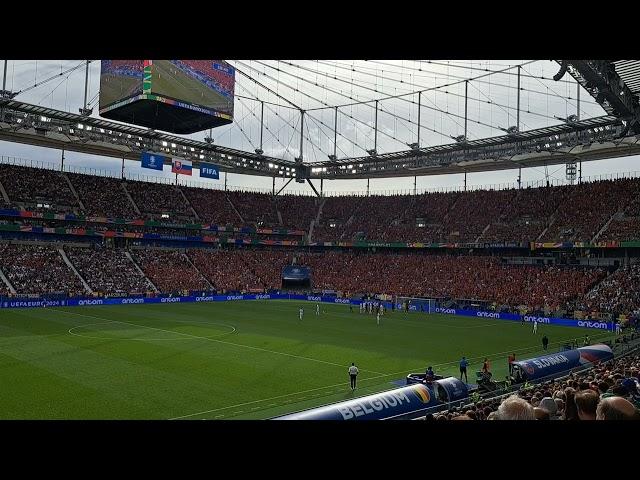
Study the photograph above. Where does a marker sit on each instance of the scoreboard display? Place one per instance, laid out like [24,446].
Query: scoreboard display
[178,96]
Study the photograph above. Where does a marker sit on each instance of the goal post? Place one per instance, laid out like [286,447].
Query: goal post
[416,304]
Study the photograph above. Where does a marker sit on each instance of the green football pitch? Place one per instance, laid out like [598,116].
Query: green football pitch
[232,360]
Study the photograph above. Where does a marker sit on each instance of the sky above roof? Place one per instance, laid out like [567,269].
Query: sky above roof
[318,86]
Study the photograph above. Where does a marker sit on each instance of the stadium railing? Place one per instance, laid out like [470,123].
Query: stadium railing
[625,350]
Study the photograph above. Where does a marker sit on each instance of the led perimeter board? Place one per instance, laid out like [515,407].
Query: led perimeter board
[177,96]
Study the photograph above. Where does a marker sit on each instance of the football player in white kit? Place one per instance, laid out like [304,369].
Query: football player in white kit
[317,309]
[301,312]
[535,326]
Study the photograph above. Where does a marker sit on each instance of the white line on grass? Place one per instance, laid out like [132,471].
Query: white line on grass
[347,383]
[70,331]
[218,341]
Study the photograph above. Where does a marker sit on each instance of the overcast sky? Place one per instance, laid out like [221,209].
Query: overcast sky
[323,85]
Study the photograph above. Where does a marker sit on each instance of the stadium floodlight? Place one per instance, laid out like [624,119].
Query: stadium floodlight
[85,112]
[332,157]
[372,152]
[259,151]
[413,146]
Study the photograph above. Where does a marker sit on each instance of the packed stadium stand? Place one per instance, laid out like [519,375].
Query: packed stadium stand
[38,269]
[587,208]
[155,199]
[212,206]
[108,271]
[170,270]
[602,210]
[608,210]
[606,392]
[254,208]
[32,186]
[102,196]
[619,293]
[552,290]
[240,270]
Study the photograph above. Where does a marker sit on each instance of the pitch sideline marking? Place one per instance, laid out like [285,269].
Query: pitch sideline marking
[346,383]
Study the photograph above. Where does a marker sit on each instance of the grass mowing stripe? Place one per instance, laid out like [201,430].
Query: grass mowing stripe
[110,378]
[453,362]
[218,341]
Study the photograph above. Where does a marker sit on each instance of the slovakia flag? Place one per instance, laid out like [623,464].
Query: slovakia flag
[182,167]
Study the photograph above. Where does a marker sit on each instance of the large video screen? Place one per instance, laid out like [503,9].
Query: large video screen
[206,83]
[119,80]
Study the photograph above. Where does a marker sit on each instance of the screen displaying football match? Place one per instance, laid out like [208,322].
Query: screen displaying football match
[119,80]
[207,83]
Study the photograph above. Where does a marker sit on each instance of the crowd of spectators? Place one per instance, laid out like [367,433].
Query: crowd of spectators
[626,226]
[169,270]
[587,208]
[548,214]
[224,79]
[256,209]
[241,270]
[37,269]
[526,216]
[107,271]
[618,294]
[32,186]
[534,288]
[102,196]
[212,206]
[374,216]
[608,391]
[297,211]
[154,199]
[551,290]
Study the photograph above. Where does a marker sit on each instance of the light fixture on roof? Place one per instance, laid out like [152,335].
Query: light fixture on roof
[413,146]
[259,151]
[372,152]
[333,158]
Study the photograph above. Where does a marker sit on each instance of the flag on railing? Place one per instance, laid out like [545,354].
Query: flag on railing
[152,161]
[180,166]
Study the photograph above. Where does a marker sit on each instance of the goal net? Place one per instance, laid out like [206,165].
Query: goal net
[416,304]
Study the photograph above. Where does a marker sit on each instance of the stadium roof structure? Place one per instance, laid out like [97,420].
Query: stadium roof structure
[615,86]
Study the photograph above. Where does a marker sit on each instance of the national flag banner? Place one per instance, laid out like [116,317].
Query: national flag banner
[180,166]
[209,170]
[152,161]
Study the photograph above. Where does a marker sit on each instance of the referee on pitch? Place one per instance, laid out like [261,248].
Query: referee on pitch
[353,373]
